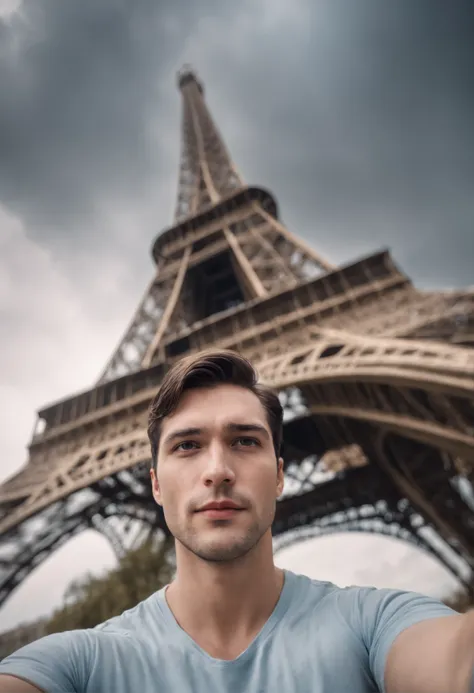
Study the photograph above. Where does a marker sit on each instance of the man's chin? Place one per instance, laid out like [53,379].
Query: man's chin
[214,551]
[219,543]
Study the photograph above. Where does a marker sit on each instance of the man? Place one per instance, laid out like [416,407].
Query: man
[231,621]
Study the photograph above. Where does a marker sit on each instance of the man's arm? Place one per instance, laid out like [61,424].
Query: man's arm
[433,656]
[12,684]
[415,643]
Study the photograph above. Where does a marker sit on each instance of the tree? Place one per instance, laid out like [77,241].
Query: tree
[92,600]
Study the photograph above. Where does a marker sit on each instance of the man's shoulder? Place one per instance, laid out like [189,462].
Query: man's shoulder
[321,599]
[359,604]
[144,616]
[324,592]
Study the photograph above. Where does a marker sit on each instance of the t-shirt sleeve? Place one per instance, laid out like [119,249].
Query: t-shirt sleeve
[58,663]
[384,614]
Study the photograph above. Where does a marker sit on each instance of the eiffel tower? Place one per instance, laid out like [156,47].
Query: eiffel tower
[376,378]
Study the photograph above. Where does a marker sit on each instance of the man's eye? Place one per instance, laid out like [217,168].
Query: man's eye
[186,445]
[248,442]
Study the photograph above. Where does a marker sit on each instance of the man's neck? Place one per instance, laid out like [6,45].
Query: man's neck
[223,606]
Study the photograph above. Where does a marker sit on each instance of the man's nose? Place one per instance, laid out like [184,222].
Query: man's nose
[218,468]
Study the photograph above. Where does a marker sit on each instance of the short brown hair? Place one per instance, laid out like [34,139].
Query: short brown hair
[208,369]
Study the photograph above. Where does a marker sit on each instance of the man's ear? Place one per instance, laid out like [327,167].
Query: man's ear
[280,477]
[155,486]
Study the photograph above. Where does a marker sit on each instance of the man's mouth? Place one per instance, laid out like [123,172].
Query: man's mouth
[220,509]
[221,513]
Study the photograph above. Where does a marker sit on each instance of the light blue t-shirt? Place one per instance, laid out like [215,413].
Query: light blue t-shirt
[319,639]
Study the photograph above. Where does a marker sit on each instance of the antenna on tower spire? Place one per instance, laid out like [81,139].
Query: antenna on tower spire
[186,75]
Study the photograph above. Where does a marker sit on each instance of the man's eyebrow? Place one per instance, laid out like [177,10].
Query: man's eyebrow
[247,428]
[182,433]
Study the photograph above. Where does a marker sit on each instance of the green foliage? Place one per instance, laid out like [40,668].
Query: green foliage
[92,600]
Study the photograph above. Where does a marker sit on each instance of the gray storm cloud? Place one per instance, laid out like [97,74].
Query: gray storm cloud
[82,82]
[357,115]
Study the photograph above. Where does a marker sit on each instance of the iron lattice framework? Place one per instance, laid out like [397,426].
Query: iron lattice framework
[377,380]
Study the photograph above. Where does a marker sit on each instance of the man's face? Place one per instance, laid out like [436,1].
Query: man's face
[217,448]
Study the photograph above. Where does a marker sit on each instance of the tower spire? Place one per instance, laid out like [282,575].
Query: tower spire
[207,171]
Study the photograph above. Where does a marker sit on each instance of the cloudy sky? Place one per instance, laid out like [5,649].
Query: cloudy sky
[357,115]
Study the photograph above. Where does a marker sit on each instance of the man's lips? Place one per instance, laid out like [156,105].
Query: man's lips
[220,505]
[220,509]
